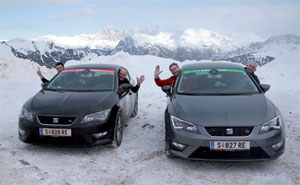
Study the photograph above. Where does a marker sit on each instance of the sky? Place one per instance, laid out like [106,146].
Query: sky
[29,19]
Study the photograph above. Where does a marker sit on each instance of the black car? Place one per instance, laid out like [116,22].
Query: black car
[218,112]
[82,105]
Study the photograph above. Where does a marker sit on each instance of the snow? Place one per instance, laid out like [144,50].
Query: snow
[140,160]
[109,38]
[161,39]
[190,38]
[21,44]
[80,41]
[205,39]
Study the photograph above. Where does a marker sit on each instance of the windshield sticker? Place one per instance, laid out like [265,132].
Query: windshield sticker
[103,70]
[196,71]
[208,70]
[232,70]
[72,70]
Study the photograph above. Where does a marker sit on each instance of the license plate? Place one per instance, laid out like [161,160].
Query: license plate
[230,145]
[55,132]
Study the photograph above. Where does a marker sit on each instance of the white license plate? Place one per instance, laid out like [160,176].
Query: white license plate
[230,145]
[55,132]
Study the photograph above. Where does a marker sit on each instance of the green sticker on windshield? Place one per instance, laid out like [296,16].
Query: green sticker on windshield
[196,71]
[208,70]
[232,70]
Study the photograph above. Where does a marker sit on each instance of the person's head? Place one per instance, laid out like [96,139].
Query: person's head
[251,67]
[174,68]
[122,74]
[59,67]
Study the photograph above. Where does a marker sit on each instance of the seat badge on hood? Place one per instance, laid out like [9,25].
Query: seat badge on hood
[229,131]
[55,120]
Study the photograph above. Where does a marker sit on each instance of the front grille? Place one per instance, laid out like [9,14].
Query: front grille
[206,153]
[56,120]
[229,131]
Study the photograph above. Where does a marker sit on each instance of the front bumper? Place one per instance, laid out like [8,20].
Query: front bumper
[197,146]
[82,134]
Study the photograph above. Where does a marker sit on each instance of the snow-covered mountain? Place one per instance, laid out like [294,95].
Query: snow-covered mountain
[41,52]
[190,45]
[108,38]
[261,52]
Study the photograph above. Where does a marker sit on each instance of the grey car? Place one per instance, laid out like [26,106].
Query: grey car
[216,111]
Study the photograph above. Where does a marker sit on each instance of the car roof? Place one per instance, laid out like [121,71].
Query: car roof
[95,66]
[209,65]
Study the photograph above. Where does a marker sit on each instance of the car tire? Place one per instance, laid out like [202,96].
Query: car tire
[118,132]
[136,108]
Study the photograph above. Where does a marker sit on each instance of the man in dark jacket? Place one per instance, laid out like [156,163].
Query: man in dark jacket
[59,67]
[122,79]
[250,69]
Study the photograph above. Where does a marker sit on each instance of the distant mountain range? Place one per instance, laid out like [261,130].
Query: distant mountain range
[190,45]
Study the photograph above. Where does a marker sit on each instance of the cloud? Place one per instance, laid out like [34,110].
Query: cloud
[266,19]
[84,14]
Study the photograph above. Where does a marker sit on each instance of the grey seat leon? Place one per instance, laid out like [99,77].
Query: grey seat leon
[216,111]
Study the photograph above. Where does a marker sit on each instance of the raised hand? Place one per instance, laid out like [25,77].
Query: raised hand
[140,80]
[39,73]
[157,71]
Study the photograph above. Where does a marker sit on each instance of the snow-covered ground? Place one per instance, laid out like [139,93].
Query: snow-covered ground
[140,159]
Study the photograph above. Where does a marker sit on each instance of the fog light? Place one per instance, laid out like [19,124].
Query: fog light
[277,146]
[99,135]
[178,145]
[21,132]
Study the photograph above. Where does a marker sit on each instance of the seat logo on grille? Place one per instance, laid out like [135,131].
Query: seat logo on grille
[55,120]
[229,131]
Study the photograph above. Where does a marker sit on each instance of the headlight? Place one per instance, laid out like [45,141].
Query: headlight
[25,114]
[274,124]
[97,116]
[183,125]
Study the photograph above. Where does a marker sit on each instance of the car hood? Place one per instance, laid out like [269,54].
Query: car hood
[70,103]
[238,110]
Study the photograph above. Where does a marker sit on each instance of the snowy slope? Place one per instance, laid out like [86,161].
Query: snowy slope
[21,44]
[284,72]
[140,160]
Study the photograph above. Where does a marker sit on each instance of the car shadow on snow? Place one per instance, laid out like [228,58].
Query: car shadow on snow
[68,150]
[222,165]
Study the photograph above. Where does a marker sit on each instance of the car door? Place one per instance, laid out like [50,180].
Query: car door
[131,96]
[126,97]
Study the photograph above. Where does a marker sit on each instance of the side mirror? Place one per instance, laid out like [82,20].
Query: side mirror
[167,90]
[124,90]
[126,86]
[265,87]
[44,85]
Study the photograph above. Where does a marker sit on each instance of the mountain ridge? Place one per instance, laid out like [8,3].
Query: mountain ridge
[48,53]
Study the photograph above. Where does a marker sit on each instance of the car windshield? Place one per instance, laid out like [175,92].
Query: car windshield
[83,80]
[216,82]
